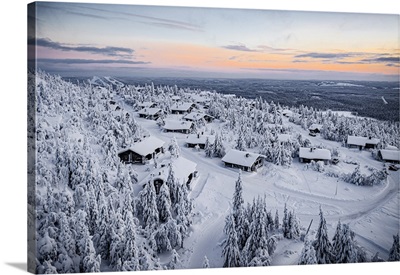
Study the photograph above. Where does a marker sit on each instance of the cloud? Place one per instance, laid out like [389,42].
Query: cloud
[88,61]
[325,55]
[382,59]
[150,20]
[239,47]
[274,50]
[393,65]
[108,51]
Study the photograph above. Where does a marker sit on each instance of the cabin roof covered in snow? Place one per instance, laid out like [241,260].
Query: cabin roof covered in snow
[390,155]
[145,146]
[195,116]
[315,126]
[181,166]
[241,158]
[287,112]
[181,106]
[149,111]
[177,125]
[199,139]
[315,153]
[361,141]
[146,104]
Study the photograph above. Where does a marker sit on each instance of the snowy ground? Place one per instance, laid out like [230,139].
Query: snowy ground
[372,212]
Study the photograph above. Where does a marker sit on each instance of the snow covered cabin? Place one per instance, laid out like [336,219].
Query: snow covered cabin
[198,139]
[315,154]
[142,151]
[150,113]
[362,142]
[195,116]
[182,108]
[243,160]
[389,155]
[177,126]
[147,104]
[315,128]
[184,172]
[287,113]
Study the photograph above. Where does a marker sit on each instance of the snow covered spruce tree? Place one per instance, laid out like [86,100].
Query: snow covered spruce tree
[394,253]
[231,251]
[307,255]
[241,222]
[321,244]
[345,250]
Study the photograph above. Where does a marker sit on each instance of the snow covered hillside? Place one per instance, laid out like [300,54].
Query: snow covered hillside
[107,200]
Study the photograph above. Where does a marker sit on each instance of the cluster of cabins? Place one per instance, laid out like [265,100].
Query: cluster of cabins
[185,170]
[150,147]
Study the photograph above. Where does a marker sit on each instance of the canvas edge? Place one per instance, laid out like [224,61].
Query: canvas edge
[31,145]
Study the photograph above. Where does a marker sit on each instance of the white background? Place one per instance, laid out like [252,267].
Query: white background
[13,154]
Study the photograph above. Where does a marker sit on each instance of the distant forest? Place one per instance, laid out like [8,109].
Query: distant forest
[363,98]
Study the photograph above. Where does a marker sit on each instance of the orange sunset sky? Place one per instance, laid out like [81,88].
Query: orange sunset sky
[74,39]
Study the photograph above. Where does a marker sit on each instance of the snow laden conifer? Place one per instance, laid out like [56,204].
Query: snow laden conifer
[394,253]
[347,252]
[238,212]
[208,148]
[218,148]
[285,222]
[173,148]
[276,221]
[240,143]
[307,256]
[321,244]
[175,262]
[164,204]
[206,263]
[256,250]
[147,206]
[231,251]
[130,255]
[336,240]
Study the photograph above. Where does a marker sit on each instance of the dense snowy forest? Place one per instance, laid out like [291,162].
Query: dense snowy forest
[91,212]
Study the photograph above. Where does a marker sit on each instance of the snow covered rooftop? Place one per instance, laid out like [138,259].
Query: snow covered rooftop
[199,139]
[393,155]
[241,158]
[149,111]
[181,166]
[146,104]
[145,146]
[361,141]
[315,153]
[181,106]
[177,125]
[315,126]
[287,112]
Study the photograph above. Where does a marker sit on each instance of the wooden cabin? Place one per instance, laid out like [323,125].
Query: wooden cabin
[142,151]
[315,154]
[184,127]
[245,161]
[362,142]
[198,140]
